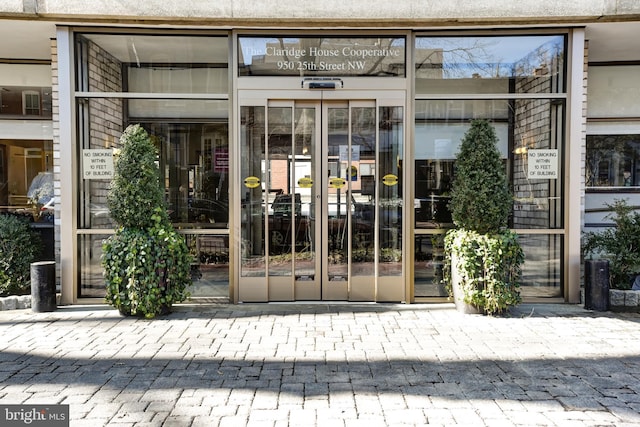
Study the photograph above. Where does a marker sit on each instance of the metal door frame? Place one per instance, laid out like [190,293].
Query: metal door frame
[259,289]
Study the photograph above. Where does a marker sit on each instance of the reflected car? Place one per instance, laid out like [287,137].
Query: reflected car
[209,211]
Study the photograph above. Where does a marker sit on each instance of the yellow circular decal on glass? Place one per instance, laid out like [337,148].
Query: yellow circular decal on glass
[390,179]
[251,182]
[305,182]
[337,182]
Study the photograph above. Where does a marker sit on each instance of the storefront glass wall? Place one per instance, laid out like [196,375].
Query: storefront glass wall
[612,169]
[26,148]
[176,87]
[518,84]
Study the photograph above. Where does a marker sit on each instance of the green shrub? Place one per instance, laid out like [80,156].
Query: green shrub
[19,247]
[146,269]
[481,250]
[480,195]
[146,262]
[489,266]
[619,244]
[135,190]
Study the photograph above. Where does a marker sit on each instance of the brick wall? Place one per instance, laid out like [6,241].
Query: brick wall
[106,123]
[537,125]
[57,162]
[583,141]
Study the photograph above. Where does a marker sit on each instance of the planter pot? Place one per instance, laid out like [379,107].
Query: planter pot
[164,310]
[458,292]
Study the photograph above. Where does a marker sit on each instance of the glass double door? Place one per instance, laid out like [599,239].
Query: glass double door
[321,205]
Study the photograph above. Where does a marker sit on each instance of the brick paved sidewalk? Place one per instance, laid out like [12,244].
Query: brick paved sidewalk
[325,365]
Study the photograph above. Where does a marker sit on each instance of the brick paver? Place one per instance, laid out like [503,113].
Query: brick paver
[325,365]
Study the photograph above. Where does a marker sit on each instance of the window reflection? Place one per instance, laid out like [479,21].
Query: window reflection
[521,125]
[428,265]
[30,101]
[26,179]
[613,161]
[612,171]
[194,167]
[321,56]
[489,64]
[154,63]
[210,268]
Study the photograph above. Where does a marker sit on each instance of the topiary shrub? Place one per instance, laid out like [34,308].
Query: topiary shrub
[146,262]
[19,247]
[480,196]
[135,189]
[483,259]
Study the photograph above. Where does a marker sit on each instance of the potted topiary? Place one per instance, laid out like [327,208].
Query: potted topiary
[146,262]
[483,259]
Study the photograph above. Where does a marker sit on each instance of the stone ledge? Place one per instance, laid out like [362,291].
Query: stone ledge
[15,302]
[624,301]
[20,302]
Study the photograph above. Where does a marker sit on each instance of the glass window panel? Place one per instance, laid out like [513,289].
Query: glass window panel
[285,205]
[541,272]
[194,170]
[612,170]
[613,91]
[612,161]
[363,148]
[178,79]
[26,179]
[25,89]
[92,283]
[390,194]
[210,268]
[152,63]
[193,159]
[428,264]
[537,129]
[21,75]
[174,109]
[253,155]
[523,126]
[441,140]
[305,237]
[101,123]
[338,203]
[19,101]
[321,56]
[490,64]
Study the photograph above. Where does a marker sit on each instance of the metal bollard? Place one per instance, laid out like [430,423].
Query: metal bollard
[596,285]
[43,286]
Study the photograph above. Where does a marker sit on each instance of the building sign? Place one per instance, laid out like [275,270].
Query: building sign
[221,160]
[97,164]
[321,56]
[543,164]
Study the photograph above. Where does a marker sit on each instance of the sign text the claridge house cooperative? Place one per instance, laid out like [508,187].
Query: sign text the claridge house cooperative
[321,56]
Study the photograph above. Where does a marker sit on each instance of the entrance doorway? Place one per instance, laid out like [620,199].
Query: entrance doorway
[321,200]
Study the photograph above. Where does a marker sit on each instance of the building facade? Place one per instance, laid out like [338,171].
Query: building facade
[307,154]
